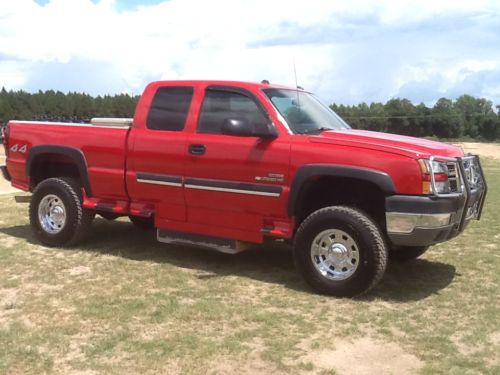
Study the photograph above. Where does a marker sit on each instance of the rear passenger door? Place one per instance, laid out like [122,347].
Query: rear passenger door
[233,182]
[156,157]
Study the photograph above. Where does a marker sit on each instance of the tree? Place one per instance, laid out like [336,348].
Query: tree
[401,116]
[447,122]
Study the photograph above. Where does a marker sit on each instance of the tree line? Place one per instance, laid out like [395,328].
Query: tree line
[57,106]
[466,116]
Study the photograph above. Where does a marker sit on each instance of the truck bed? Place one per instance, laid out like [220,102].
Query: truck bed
[104,148]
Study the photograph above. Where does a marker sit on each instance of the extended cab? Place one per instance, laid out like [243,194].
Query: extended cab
[229,164]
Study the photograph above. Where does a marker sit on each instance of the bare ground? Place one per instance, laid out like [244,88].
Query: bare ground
[489,150]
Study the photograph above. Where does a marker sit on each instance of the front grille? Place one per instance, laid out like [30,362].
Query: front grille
[453,177]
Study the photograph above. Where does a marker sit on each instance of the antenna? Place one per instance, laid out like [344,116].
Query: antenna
[295,73]
[296,83]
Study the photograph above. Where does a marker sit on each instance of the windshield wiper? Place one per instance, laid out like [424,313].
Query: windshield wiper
[318,130]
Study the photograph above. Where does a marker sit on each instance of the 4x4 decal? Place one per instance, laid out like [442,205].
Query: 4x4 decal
[18,148]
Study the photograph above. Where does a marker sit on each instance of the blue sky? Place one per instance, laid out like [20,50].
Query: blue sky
[121,5]
[346,51]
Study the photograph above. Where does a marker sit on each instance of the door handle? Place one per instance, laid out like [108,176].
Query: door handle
[197,149]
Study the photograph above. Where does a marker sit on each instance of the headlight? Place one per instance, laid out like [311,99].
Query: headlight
[438,170]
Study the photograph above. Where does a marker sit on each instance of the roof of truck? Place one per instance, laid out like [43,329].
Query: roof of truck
[243,84]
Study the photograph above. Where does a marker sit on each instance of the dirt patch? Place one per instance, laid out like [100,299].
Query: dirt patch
[489,150]
[494,338]
[247,364]
[243,366]
[77,271]
[9,242]
[365,356]
[8,298]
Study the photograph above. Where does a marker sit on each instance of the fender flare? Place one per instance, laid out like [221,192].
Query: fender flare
[311,171]
[74,154]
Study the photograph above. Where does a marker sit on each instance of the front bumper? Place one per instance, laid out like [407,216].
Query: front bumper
[427,220]
[5,172]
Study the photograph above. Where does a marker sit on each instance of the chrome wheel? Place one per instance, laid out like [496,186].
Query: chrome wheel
[335,254]
[52,214]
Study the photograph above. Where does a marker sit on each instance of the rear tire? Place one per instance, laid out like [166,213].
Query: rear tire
[57,216]
[340,251]
[406,253]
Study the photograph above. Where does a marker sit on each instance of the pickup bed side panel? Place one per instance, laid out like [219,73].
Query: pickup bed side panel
[103,148]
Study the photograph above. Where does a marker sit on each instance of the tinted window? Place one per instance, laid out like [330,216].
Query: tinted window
[221,105]
[170,108]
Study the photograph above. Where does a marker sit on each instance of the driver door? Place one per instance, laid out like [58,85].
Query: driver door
[234,182]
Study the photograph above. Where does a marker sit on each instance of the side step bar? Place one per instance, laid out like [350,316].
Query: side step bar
[224,245]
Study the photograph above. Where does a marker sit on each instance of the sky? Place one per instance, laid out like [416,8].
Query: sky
[346,52]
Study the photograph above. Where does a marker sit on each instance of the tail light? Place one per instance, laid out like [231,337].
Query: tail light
[435,177]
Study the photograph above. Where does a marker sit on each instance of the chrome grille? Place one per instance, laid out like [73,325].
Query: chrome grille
[453,177]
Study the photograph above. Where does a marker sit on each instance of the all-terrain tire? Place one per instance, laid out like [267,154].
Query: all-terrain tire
[406,253]
[340,234]
[57,216]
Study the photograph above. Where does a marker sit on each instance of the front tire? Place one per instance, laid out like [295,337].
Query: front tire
[57,216]
[340,251]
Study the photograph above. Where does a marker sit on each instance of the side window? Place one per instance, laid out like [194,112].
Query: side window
[220,105]
[169,108]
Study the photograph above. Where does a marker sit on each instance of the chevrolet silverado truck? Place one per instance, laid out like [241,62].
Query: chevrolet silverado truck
[227,165]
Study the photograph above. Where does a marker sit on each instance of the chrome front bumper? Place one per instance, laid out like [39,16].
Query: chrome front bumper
[426,220]
[398,222]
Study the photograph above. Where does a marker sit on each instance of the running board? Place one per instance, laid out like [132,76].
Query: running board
[224,245]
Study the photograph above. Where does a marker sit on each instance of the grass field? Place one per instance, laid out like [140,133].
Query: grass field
[125,303]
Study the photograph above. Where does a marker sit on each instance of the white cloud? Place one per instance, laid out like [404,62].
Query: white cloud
[345,51]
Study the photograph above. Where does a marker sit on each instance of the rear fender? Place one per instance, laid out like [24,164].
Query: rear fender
[74,154]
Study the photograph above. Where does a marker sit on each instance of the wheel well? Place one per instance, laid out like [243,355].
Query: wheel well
[327,191]
[52,165]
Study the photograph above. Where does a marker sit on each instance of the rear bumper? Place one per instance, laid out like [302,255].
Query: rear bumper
[5,172]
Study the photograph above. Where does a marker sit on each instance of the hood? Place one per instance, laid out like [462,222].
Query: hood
[399,144]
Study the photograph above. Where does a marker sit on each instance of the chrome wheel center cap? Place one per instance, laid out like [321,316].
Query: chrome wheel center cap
[57,213]
[338,251]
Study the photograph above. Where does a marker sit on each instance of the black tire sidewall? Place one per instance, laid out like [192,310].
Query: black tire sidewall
[69,197]
[342,219]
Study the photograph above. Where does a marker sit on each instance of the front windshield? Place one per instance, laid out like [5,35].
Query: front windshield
[304,113]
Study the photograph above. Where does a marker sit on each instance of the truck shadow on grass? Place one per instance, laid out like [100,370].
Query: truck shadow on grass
[271,263]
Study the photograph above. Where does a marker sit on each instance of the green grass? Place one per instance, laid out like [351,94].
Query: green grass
[124,303]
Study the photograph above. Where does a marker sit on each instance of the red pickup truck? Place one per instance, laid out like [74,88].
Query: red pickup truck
[227,165]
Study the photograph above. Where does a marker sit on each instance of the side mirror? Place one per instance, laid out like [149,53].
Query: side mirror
[243,128]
